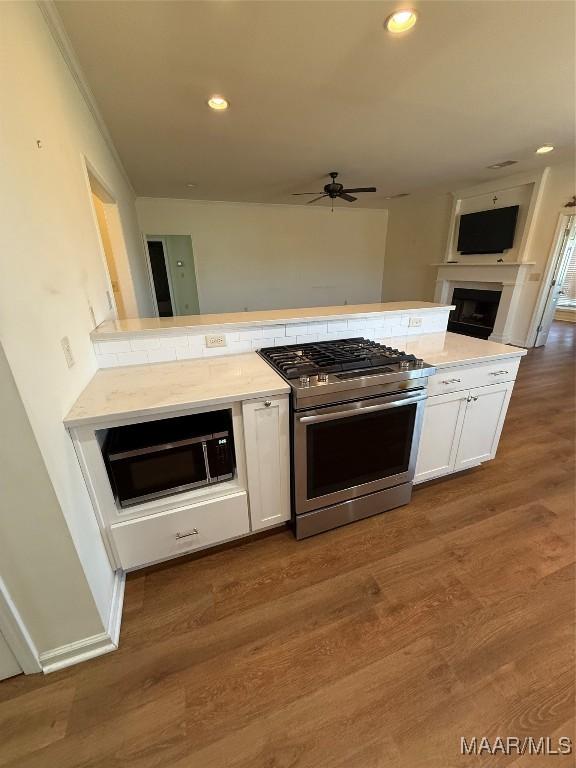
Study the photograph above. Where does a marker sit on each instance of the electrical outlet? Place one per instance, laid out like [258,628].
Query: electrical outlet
[65,342]
[218,340]
[415,322]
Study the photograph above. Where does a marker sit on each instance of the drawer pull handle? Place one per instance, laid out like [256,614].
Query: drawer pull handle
[472,398]
[497,373]
[267,403]
[452,381]
[193,532]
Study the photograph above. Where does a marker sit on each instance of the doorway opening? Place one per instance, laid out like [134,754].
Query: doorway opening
[172,275]
[121,296]
[560,297]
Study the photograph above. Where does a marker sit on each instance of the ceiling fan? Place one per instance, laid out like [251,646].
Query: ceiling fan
[334,189]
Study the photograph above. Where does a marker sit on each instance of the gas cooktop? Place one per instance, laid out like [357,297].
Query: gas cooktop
[342,364]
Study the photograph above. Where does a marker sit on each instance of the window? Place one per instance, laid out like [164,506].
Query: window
[568,296]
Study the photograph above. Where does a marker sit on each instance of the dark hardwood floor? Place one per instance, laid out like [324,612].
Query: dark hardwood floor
[379,644]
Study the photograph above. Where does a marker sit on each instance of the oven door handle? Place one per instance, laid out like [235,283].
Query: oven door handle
[360,411]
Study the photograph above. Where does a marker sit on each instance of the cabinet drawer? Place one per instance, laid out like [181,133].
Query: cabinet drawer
[472,376]
[168,534]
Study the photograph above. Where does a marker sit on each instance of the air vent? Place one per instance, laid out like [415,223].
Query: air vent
[394,197]
[503,164]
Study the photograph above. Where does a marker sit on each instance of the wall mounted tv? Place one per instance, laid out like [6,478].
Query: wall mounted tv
[487,231]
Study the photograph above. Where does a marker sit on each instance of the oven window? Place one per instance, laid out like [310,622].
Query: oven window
[358,449]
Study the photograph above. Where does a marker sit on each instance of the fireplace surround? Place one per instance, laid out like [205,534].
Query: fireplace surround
[474,312]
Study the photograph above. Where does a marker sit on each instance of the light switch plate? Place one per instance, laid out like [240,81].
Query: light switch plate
[67,349]
[216,340]
[415,322]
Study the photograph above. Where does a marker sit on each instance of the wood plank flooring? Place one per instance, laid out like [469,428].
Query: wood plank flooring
[379,644]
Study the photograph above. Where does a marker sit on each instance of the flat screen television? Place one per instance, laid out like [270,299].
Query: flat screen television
[487,231]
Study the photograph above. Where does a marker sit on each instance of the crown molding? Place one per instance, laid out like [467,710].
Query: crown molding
[54,23]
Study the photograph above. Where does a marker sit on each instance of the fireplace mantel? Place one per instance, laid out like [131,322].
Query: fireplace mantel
[508,276]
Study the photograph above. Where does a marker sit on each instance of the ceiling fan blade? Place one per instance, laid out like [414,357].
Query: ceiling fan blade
[360,189]
[316,198]
[294,194]
[344,196]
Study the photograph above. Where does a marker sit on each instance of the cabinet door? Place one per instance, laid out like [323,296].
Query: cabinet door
[441,429]
[483,421]
[267,438]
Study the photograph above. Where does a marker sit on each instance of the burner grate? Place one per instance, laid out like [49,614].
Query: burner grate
[296,360]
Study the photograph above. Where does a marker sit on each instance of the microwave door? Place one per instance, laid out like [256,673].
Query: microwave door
[151,473]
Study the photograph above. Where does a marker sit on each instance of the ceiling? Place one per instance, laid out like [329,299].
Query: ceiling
[317,86]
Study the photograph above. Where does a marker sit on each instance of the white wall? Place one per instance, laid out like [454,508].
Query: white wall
[52,272]
[417,237]
[38,562]
[417,232]
[275,256]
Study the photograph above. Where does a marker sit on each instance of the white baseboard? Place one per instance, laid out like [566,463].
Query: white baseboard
[90,647]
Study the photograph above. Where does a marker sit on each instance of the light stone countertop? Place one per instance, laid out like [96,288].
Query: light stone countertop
[145,390]
[447,349]
[113,329]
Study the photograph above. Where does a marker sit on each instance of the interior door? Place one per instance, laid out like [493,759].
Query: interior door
[160,278]
[443,418]
[8,664]
[566,247]
[483,420]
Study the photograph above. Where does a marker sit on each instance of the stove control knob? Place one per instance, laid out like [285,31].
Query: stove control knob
[419,363]
[404,365]
[323,378]
[304,381]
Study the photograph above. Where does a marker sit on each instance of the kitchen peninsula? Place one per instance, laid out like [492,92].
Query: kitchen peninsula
[157,372]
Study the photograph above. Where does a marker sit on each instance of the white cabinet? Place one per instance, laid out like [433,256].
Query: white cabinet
[485,412]
[441,429]
[175,532]
[461,429]
[267,441]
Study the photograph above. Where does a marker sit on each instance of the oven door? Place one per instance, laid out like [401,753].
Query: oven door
[345,451]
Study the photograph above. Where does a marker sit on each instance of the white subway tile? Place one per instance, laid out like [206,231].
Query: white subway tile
[173,341]
[107,360]
[161,355]
[114,346]
[272,331]
[196,344]
[239,347]
[356,322]
[307,338]
[214,352]
[185,353]
[297,329]
[337,325]
[143,344]
[281,341]
[132,358]
[250,334]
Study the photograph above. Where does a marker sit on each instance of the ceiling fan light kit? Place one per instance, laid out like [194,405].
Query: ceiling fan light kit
[335,190]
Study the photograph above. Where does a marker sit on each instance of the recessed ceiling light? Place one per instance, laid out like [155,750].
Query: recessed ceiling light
[218,103]
[192,186]
[544,149]
[502,164]
[400,21]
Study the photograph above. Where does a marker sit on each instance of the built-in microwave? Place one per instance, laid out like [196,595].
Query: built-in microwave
[159,458]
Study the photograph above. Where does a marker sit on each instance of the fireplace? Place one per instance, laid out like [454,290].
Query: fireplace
[474,313]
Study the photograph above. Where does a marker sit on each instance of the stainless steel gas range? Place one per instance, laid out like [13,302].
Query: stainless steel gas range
[356,409]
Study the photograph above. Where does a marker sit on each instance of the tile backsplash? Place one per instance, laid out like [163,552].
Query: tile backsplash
[183,344]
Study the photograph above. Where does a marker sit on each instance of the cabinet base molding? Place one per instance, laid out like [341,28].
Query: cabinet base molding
[93,646]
